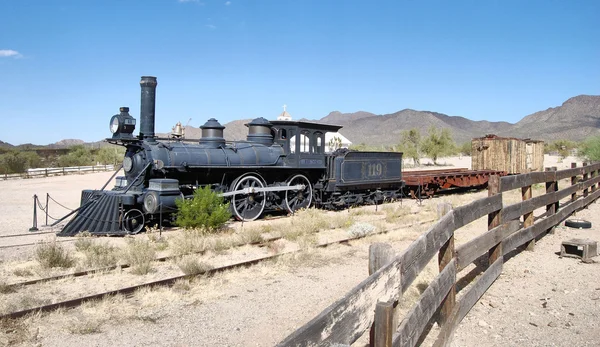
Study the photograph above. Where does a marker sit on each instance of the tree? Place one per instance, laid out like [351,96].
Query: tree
[110,155]
[562,147]
[335,143]
[410,144]
[439,144]
[591,148]
[465,148]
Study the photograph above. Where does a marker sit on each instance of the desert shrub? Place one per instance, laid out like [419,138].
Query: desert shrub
[191,266]
[84,241]
[6,289]
[23,272]
[410,145]
[189,241]
[205,210]
[19,161]
[99,255]
[361,230]
[110,155]
[139,254]
[52,254]
[78,156]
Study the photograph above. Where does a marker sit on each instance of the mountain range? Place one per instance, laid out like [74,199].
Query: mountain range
[576,119]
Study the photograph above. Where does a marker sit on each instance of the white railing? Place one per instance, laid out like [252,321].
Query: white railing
[57,171]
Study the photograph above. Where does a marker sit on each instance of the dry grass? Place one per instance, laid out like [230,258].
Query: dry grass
[276,247]
[190,265]
[52,254]
[23,272]
[15,332]
[189,241]
[394,213]
[139,254]
[100,255]
[6,289]
[84,241]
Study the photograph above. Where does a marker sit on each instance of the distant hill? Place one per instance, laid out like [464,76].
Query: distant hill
[576,119]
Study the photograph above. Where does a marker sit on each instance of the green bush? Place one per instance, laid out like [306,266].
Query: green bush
[205,210]
[590,148]
[19,161]
[78,156]
[465,148]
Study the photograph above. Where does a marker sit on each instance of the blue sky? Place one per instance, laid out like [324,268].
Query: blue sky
[67,65]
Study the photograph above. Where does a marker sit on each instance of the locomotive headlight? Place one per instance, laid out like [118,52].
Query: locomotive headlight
[127,164]
[122,124]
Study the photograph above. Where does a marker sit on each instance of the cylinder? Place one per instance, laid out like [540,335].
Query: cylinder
[147,107]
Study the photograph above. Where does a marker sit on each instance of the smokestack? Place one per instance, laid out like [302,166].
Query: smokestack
[148,104]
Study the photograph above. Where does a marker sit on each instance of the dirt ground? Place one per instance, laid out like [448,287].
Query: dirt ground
[540,299]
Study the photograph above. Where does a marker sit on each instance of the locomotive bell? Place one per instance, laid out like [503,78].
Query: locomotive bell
[122,124]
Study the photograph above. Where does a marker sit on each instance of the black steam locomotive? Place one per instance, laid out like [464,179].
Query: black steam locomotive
[281,166]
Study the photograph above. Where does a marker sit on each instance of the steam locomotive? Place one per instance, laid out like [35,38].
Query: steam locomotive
[282,165]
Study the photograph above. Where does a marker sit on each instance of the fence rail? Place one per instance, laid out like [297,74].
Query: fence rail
[370,305]
[58,171]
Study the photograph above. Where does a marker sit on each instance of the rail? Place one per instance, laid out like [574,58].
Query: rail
[58,171]
[370,305]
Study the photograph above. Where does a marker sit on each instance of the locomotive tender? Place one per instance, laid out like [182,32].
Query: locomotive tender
[282,165]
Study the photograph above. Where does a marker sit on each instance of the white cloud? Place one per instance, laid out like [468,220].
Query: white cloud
[211,27]
[9,53]
[227,3]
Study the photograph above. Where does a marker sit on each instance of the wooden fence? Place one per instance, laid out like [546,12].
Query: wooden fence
[370,305]
[57,171]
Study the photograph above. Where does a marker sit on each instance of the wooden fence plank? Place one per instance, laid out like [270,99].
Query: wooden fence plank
[467,301]
[466,214]
[416,320]
[523,180]
[414,259]
[519,209]
[469,251]
[347,319]
[533,231]
[568,173]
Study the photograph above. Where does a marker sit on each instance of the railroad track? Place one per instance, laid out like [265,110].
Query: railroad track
[167,281]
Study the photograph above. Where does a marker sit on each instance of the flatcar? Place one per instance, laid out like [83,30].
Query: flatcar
[282,166]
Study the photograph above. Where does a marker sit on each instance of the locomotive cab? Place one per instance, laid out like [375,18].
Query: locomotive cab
[303,142]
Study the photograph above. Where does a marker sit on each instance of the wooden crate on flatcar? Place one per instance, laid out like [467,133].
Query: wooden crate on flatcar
[508,154]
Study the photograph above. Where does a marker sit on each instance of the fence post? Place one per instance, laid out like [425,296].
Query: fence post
[382,330]
[593,175]
[46,170]
[528,217]
[34,226]
[573,182]
[585,177]
[494,218]
[444,257]
[551,187]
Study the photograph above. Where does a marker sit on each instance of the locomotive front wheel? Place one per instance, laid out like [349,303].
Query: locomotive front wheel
[248,206]
[133,221]
[297,199]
